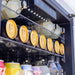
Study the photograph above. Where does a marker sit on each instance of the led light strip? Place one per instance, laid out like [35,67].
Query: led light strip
[36,14]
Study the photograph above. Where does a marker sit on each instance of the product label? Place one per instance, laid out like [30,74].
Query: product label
[2,71]
[39,73]
[57,73]
[35,73]
[53,66]
[26,72]
[18,73]
[59,66]
[62,73]
[47,74]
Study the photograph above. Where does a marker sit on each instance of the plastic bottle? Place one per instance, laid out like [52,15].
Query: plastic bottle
[52,66]
[59,67]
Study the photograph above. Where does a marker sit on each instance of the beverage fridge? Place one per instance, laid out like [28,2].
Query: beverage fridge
[38,35]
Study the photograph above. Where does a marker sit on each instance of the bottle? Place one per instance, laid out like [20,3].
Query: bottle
[59,67]
[45,70]
[57,32]
[43,65]
[14,5]
[4,2]
[24,4]
[52,66]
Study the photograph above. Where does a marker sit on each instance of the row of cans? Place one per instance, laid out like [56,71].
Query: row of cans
[37,40]
[16,69]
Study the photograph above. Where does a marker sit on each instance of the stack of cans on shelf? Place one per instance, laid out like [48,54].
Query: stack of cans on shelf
[21,33]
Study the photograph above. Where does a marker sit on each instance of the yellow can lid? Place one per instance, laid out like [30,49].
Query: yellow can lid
[11,29]
[62,49]
[24,34]
[34,38]
[50,44]
[12,65]
[57,47]
[42,41]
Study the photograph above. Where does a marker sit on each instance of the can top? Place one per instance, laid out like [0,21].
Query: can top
[42,41]
[2,64]
[24,34]
[11,29]
[57,47]
[1,60]
[26,67]
[50,44]
[36,68]
[34,38]
[62,49]
[12,63]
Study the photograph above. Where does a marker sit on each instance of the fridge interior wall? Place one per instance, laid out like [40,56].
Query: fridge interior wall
[13,54]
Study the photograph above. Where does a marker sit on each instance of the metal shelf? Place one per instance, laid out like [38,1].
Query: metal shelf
[36,25]
[4,40]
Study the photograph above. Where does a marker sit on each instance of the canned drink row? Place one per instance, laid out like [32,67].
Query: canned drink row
[12,68]
[21,33]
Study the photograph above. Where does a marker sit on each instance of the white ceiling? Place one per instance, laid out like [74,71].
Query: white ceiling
[69,5]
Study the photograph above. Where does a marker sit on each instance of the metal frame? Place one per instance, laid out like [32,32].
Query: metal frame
[69,66]
[0,16]
[58,8]
[73,44]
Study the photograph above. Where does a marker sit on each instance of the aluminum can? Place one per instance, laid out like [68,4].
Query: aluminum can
[13,69]
[2,67]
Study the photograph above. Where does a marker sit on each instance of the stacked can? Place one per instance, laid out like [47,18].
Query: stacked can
[2,67]
[9,29]
[37,70]
[13,69]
